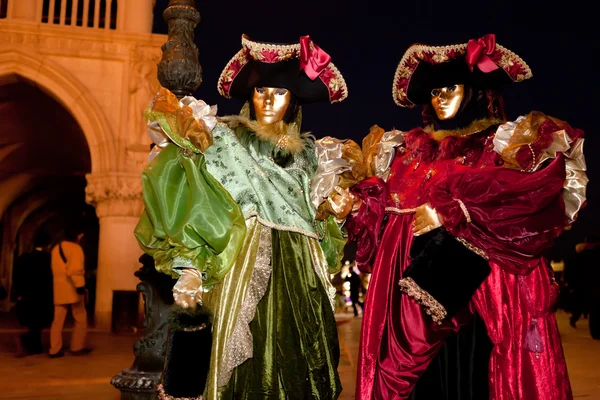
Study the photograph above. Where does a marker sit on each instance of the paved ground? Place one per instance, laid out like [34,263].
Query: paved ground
[87,378]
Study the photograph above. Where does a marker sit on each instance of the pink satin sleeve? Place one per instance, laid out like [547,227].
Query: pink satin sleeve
[515,216]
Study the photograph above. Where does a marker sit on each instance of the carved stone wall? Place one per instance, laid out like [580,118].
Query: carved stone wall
[143,85]
[104,79]
[116,194]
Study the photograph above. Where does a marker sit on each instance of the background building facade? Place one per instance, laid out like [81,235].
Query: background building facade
[75,77]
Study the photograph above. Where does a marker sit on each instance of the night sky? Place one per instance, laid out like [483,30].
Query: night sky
[366,41]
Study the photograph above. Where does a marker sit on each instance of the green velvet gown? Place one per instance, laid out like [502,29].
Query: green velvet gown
[241,214]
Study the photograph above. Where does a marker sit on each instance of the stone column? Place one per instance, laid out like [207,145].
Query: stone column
[22,9]
[118,201]
[136,16]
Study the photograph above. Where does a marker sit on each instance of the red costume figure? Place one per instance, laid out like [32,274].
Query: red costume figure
[502,190]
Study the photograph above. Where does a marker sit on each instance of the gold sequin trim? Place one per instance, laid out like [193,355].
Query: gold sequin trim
[395,210]
[163,396]
[431,305]
[464,210]
[474,249]
[533,158]
[282,142]
[196,328]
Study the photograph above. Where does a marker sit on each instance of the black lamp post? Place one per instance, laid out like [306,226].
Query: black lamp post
[179,71]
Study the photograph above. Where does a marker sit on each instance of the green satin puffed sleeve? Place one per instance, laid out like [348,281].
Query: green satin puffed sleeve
[333,244]
[189,220]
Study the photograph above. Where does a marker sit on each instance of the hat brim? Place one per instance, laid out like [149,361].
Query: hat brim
[419,61]
[285,74]
[427,77]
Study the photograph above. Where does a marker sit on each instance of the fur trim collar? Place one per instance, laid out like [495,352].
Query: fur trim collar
[475,127]
[284,136]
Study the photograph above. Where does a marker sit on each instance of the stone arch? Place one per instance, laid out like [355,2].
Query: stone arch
[71,94]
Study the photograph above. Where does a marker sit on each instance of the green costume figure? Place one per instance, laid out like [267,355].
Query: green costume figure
[246,211]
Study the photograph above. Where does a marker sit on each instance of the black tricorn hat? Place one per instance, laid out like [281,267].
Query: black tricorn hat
[302,68]
[479,63]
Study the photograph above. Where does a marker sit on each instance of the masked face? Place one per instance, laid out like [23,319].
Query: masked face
[446,101]
[270,104]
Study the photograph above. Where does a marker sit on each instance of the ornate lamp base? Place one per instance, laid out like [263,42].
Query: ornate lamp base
[139,382]
[136,385]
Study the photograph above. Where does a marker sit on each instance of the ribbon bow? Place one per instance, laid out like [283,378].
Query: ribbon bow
[479,52]
[330,166]
[313,60]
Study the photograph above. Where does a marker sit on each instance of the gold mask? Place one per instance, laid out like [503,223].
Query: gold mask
[270,104]
[446,101]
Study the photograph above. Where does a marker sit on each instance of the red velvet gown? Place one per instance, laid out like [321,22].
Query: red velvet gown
[514,216]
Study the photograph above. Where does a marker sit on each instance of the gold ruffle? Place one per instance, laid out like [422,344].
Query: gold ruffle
[379,149]
[511,136]
[180,120]
[340,163]
[524,132]
[370,150]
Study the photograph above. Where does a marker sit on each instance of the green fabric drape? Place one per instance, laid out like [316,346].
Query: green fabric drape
[226,300]
[296,349]
[333,245]
[189,220]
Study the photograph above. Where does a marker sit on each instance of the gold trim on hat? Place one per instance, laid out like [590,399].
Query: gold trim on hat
[284,51]
[228,74]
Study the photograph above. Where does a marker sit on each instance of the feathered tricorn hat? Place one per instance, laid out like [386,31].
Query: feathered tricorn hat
[303,68]
[480,62]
